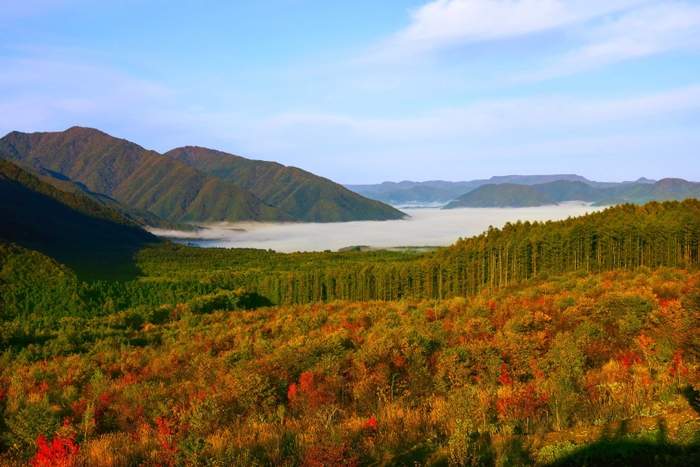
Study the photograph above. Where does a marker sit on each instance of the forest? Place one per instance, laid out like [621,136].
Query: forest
[557,343]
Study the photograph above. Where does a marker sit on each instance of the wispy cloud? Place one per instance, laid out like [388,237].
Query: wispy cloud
[449,22]
[592,33]
[650,30]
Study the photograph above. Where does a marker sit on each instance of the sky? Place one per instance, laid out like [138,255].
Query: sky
[368,91]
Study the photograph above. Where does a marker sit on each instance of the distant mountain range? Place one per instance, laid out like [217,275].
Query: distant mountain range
[185,185]
[527,190]
[512,195]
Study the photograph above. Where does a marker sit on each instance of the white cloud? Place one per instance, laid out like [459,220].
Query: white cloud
[446,22]
[653,29]
[594,33]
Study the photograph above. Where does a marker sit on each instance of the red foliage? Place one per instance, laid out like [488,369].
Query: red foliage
[399,360]
[310,392]
[167,441]
[645,342]
[42,388]
[678,366]
[101,407]
[69,379]
[62,452]
[505,379]
[331,455]
[430,316]
[352,327]
[370,426]
[628,358]
[525,403]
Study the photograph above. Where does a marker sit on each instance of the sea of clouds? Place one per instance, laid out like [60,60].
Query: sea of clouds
[425,227]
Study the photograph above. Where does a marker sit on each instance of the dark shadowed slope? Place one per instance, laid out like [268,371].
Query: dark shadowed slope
[503,195]
[90,238]
[137,177]
[140,216]
[303,195]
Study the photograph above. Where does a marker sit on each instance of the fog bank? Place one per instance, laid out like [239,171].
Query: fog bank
[426,227]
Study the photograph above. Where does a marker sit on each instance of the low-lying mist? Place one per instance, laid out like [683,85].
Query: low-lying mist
[425,227]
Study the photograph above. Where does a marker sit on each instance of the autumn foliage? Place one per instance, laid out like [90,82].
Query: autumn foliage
[60,452]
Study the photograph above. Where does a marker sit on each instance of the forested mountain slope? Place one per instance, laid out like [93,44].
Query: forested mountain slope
[505,194]
[480,193]
[62,183]
[507,377]
[299,193]
[510,195]
[475,354]
[69,227]
[137,177]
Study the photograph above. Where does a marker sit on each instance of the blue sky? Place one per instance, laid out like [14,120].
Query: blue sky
[367,91]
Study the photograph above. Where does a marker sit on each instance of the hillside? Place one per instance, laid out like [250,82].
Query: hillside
[537,344]
[503,195]
[68,227]
[62,183]
[136,177]
[668,189]
[301,194]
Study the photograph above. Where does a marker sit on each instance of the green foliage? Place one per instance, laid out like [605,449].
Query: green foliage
[302,195]
[505,194]
[136,177]
[512,195]
[457,356]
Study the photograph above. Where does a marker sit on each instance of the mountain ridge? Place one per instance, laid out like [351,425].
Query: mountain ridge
[306,196]
[150,187]
[512,195]
[639,191]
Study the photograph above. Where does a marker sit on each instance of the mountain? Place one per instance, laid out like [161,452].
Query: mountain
[69,227]
[511,195]
[137,177]
[299,193]
[503,195]
[421,194]
[565,190]
[406,192]
[139,216]
[668,189]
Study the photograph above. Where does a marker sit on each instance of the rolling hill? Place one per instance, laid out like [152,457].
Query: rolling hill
[503,195]
[510,195]
[299,193]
